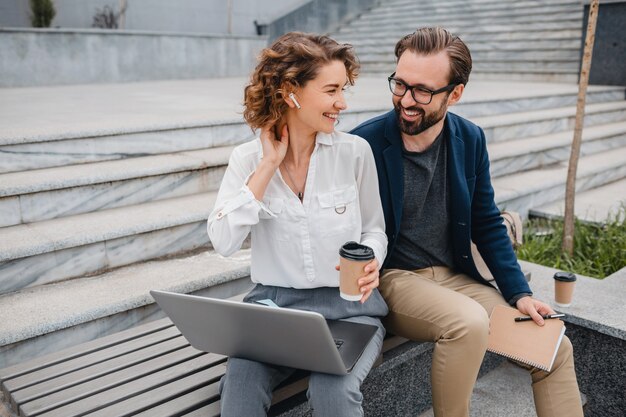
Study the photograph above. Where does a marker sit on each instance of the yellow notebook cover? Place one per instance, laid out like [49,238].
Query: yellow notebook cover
[525,341]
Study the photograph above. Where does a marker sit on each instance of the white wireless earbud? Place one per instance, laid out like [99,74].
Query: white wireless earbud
[292,96]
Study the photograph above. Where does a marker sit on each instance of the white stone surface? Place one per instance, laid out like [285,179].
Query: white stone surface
[522,191]
[597,303]
[45,309]
[110,171]
[9,211]
[595,205]
[505,391]
[27,240]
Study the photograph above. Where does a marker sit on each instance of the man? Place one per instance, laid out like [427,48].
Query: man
[436,192]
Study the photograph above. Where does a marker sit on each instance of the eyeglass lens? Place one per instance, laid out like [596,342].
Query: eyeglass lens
[398,88]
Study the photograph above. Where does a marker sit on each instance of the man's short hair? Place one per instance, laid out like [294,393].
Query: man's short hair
[432,40]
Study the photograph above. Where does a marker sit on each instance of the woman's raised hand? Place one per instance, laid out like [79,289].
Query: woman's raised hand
[274,149]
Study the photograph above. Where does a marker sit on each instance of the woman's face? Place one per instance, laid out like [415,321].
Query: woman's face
[322,99]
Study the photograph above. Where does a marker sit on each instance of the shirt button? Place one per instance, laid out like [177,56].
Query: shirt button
[220,215]
[464,256]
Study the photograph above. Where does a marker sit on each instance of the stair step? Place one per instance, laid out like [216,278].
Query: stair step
[83,244]
[566,21]
[418,16]
[499,128]
[522,191]
[472,34]
[487,56]
[26,143]
[546,150]
[409,5]
[597,205]
[55,192]
[569,77]
[529,48]
[51,317]
[455,9]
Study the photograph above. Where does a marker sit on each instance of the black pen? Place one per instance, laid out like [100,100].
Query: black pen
[547,316]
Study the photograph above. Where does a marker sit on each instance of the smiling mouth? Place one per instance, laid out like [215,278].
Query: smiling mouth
[333,116]
[411,113]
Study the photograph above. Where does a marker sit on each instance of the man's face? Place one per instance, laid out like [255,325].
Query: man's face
[427,71]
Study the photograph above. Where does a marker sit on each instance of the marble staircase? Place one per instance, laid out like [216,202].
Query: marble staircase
[513,40]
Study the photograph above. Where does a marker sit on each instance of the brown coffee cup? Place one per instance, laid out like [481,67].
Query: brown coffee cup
[564,288]
[352,260]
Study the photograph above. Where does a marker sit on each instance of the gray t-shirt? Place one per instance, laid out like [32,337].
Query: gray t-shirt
[424,235]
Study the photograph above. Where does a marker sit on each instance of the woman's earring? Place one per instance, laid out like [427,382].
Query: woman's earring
[292,96]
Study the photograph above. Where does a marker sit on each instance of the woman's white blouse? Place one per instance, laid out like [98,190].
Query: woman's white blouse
[297,244]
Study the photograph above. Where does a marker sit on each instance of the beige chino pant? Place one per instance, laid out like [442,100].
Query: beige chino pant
[452,310]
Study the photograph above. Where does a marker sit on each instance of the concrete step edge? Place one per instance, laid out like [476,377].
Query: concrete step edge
[26,240]
[471,6]
[546,114]
[519,14]
[41,310]
[594,205]
[537,144]
[525,183]
[46,179]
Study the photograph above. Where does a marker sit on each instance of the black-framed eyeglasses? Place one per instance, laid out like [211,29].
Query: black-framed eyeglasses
[420,94]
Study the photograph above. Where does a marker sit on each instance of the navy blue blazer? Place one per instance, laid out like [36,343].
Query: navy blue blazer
[474,214]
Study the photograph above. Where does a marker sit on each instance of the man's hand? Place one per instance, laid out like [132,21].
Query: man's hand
[534,308]
[368,282]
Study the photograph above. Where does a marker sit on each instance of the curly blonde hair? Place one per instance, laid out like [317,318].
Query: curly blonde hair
[289,63]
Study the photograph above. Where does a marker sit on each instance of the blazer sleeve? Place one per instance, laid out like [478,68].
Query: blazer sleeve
[489,233]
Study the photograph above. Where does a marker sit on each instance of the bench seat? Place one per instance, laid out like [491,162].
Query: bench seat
[150,370]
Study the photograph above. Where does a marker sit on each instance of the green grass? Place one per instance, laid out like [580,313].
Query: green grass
[599,249]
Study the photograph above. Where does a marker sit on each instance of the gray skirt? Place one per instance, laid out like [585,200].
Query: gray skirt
[323,300]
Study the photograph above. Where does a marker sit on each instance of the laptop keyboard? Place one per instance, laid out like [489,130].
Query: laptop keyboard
[338,343]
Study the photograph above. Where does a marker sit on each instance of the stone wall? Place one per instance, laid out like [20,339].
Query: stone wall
[31,57]
[186,16]
[318,16]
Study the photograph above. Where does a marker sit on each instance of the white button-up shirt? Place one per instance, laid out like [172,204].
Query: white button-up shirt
[297,244]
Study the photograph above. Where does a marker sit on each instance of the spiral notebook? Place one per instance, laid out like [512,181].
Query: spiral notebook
[525,342]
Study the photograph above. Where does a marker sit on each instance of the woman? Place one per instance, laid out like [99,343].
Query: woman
[302,189]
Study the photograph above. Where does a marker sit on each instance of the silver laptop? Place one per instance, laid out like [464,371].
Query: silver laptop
[280,336]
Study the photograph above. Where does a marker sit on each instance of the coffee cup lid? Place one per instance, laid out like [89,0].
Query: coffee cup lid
[356,251]
[565,277]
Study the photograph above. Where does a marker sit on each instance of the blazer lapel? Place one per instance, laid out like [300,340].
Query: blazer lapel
[394,167]
[459,194]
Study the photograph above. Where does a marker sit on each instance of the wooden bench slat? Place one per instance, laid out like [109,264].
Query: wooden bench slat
[88,359]
[135,387]
[94,386]
[97,370]
[83,349]
[211,410]
[133,405]
[180,405]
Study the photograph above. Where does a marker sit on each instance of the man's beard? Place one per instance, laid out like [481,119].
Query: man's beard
[426,120]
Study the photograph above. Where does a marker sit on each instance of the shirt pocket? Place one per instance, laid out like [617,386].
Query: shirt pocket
[279,226]
[338,211]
